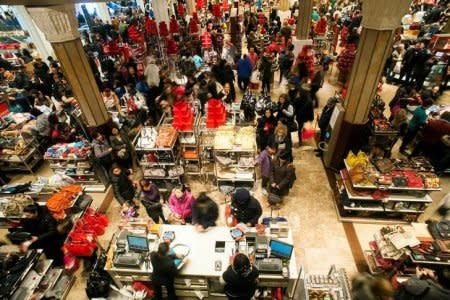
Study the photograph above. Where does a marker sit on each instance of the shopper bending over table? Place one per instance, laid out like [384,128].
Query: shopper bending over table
[180,202]
[164,272]
[245,208]
[204,213]
[240,278]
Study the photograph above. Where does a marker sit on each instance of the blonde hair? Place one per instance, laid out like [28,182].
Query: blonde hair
[281,128]
[401,116]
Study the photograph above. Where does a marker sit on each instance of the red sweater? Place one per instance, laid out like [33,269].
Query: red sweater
[434,131]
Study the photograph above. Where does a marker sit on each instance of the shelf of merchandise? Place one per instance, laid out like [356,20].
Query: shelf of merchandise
[40,279]
[235,154]
[412,201]
[90,181]
[171,159]
[23,161]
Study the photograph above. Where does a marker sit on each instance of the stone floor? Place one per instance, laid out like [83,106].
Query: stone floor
[319,236]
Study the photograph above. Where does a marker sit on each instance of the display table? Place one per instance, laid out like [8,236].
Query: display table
[199,274]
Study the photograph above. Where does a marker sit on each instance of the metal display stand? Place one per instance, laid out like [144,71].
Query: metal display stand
[25,160]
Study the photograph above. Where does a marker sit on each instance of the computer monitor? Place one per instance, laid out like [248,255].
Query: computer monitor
[280,249]
[137,243]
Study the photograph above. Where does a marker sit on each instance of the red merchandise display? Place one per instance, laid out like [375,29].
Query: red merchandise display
[216,11]
[261,19]
[199,4]
[193,27]
[225,5]
[180,9]
[195,17]
[183,118]
[172,47]
[174,27]
[150,26]
[134,34]
[216,115]
[344,36]
[347,57]
[163,31]
[321,27]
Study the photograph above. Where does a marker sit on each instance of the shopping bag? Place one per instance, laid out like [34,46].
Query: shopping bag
[308,133]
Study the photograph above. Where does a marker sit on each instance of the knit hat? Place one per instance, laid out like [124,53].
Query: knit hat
[241,196]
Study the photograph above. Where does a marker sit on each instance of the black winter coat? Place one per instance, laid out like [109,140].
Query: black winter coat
[122,187]
[164,269]
[205,215]
[247,213]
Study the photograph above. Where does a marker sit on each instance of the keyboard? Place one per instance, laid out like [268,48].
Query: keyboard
[270,265]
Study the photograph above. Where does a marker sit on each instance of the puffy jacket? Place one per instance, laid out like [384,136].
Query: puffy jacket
[416,288]
[182,207]
[205,216]
[245,208]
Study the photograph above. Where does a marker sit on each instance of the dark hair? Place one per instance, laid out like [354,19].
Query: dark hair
[163,249]
[241,264]
[115,165]
[284,155]
[35,112]
[144,182]
[273,145]
[96,134]
[427,102]
[443,275]
[31,208]
[203,198]
[446,116]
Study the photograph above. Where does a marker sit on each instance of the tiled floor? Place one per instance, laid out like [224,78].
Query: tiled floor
[319,237]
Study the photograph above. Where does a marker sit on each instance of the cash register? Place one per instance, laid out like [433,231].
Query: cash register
[273,264]
[132,255]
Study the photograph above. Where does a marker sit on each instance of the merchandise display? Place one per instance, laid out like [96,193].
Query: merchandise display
[74,160]
[192,120]
[389,186]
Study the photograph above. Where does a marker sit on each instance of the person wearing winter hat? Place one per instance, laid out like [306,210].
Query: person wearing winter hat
[245,208]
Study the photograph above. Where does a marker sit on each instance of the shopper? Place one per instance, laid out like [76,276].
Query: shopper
[286,61]
[164,272]
[324,120]
[427,285]
[417,122]
[121,181]
[244,72]
[112,102]
[253,56]
[367,287]
[264,159]
[245,208]
[316,85]
[409,63]
[282,175]
[265,128]
[282,140]
[304,109]
[265,69]
[240,278]
[180,203]
[152,201]
[42,226]
[204,212]
[285,112]
[121,150]
[103,152]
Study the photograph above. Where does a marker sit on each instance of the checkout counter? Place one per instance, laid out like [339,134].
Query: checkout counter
[209,256]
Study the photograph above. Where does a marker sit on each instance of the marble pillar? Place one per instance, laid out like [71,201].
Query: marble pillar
[381,18]
[37,37]
[60,27]
[304,19]
[160,9]
[103,12]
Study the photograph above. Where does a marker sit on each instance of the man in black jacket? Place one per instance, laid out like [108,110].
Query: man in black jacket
[122,184]
[324,120]
[245,208]
[282,174]
[44,235]
[204,213]
[164,272]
